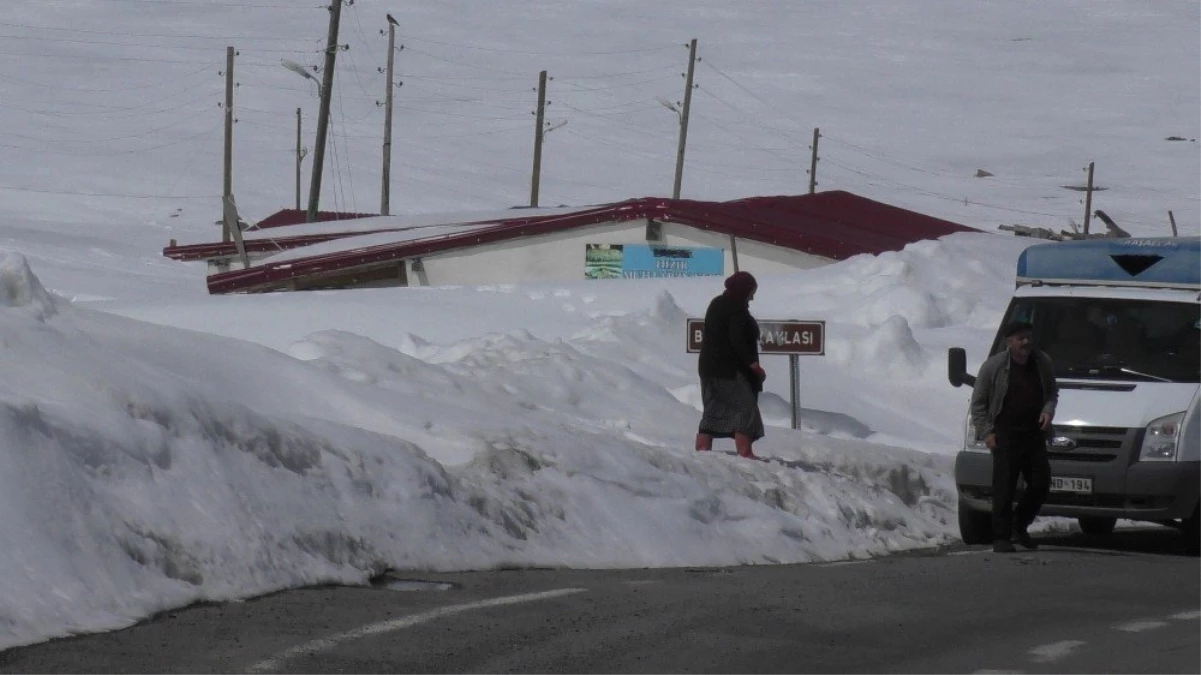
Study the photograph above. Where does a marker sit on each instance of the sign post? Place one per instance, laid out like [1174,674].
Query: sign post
[794,388]
[779,336]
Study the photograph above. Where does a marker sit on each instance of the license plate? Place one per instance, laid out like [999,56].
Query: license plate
[1071,484]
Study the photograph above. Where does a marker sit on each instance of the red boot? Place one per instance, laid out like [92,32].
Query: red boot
[742,443]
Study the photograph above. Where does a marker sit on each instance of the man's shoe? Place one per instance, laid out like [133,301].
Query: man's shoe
[1003,546]
[1023,538]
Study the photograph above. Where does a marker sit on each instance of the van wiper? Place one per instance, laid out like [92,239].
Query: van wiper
[1096,368]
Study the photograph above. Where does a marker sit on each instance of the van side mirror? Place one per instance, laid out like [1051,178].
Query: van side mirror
[957,368]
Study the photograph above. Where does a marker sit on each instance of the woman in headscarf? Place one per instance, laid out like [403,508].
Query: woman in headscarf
[731,377]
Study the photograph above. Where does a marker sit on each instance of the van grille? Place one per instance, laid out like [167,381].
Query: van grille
[1095,431]
[1093,444]
[1069,457]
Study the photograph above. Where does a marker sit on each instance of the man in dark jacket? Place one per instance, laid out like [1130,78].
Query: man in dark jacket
[731,377]
[1013,403]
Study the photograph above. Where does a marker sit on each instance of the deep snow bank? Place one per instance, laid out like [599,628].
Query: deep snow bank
[144,467]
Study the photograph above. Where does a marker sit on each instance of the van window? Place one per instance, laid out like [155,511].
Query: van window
[1114,339]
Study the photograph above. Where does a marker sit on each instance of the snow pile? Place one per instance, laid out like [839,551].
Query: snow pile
[142,467]
[19,288]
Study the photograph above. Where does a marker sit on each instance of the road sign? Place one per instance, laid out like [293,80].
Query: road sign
[790,337]
[776,336]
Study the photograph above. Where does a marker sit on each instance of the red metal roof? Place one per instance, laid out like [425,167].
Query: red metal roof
[835,225]
[298,217]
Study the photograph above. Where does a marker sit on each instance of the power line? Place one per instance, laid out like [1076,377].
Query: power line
[461,45]
[656,134]
[358,24]
[443,81]
[942,174]
[876,156]
[74,193]
[736,83]
[659,69]
[41,39]
[883,159]
[522,102]
[58,85]
[349,173]
[620,85]
[510,73]
[457,114]
[117,112]
[146,35]
[140,134]
[107,57]
[358,79]
[735,132]
[620,109]
[117,152]
[444,78]
[216,3]
[191,160]
[936,195]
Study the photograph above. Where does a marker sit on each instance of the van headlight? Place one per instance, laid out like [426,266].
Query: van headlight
[1162,439]
[970,442]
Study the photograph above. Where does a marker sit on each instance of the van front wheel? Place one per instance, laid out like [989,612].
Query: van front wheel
[1192,534]
[1097,526]
[975,527]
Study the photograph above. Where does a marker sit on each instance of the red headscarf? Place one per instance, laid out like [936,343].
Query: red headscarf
[741,285]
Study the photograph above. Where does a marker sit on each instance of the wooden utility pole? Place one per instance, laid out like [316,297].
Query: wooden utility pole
[1088,198]
[385,188]
[539,131]
[813,164]
[233,224]
[1172,220]
[299,157]
[327,89]
[675,192]
[227,186]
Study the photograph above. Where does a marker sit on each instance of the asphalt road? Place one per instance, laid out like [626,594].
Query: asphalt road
[1126,604]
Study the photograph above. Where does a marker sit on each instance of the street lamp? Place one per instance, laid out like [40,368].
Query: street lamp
[301,71]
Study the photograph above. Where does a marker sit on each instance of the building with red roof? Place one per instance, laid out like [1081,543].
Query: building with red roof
[656,236]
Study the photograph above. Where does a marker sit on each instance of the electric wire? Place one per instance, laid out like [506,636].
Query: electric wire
[460,45]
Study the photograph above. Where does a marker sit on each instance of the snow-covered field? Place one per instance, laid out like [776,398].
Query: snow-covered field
[159,446]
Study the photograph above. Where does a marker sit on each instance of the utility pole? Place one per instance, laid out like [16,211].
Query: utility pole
[299,157]
[675,193]
[1172,220]
[228,174]
[385,188]
[1088,198]
[327,89]
[540,115]
[813,164]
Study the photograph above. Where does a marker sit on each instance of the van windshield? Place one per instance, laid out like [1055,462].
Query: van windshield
[1096,338]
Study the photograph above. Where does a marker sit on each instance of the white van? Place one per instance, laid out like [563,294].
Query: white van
[1121,319]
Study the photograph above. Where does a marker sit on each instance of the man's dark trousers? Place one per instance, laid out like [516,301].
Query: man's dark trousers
[1021,452]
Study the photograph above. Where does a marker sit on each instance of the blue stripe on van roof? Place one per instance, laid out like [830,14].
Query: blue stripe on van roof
[1155,261]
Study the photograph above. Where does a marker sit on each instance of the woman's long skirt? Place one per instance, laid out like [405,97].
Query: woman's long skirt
[730,406]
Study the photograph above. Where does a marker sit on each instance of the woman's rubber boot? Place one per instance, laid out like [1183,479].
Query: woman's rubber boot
[743,445]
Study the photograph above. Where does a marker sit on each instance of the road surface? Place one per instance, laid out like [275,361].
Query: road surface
[1133,605]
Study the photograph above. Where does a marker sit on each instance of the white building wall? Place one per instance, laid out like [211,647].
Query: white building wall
[753,256]
[559,256]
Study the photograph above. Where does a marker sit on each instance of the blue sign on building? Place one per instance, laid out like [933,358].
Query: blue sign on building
[642,261]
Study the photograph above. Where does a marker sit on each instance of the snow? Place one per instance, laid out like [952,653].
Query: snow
[361,241]
[160,446]
[407,222]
